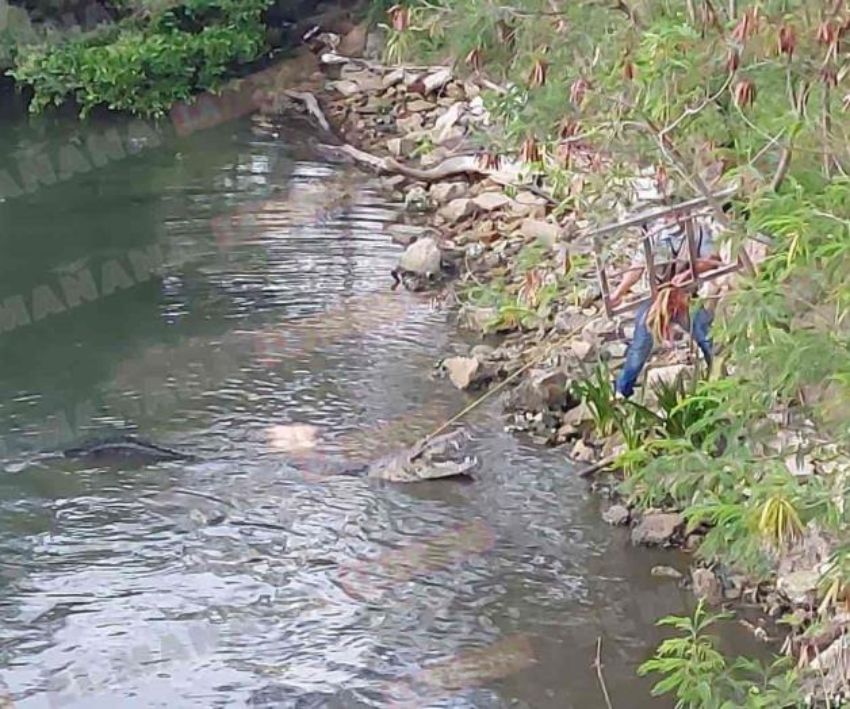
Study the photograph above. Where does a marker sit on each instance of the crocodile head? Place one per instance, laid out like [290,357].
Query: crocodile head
[438,457]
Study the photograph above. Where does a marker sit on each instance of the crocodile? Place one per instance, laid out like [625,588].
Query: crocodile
[428,459]
[123,450]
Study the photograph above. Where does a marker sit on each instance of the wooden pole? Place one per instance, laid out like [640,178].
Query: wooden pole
[693,252]
[652,215]
[602,276]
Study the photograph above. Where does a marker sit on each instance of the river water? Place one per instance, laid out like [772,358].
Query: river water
[197,290]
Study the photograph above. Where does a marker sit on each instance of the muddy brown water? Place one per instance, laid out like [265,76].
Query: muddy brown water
[197,290]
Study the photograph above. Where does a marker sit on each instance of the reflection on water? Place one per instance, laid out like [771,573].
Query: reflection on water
[246,579]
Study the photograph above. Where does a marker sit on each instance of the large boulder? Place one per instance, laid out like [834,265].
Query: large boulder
[422,257]
[464,372]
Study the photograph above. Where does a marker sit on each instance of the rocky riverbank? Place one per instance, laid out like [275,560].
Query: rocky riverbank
[484,228]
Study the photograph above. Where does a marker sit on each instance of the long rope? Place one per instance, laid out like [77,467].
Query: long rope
[501,385]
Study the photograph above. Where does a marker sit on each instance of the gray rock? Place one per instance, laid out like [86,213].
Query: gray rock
[582,453]
[392,182]
[491,201]
[456,210]
[581,348]
[569,320]
[483,353]
[444,192]
[410,123]
[615,350]
[346,87]
[666,375]
[420,105]
[399,147]
[463,371]
[799,567]
[375,43]
[799,587]
[422,257]
[667,572]
[616,515]
[578,415]
[416,199]
[542,390]
[477,318]
[656,528]
[707,586]
[543,232]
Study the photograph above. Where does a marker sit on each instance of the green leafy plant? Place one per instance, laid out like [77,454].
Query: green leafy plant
[597,392]
[690,662]
[144,67]
[698,675]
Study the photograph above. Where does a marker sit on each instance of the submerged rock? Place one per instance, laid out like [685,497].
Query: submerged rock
[667,572]
[656,528]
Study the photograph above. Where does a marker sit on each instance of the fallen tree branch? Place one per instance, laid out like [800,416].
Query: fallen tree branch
[312,106]
[802,99]
[450,167]
[459,165]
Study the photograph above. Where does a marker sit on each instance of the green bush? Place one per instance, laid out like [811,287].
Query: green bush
[144,67]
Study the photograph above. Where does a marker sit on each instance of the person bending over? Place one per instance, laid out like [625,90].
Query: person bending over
[671,304]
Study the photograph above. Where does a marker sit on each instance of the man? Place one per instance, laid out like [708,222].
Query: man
[671,255]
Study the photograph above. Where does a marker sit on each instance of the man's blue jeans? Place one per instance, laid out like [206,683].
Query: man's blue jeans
[641,345]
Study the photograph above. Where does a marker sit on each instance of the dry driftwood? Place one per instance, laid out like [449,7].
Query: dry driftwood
[450,167]
[312,106]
